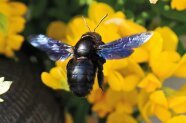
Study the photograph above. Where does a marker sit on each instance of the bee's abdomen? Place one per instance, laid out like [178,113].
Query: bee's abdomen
[81,74]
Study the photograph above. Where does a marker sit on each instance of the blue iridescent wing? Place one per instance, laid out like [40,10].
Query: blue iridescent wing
[55,49]
[123,47]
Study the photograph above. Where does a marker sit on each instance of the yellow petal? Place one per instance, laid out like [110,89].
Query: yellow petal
[18,8]
[118,14]
[108,32]
[154,46]
[177,104]
[177,119]
[181,68]
[128,27]
[75,29]
[130,82]
[102,108]
[119,82]
[140,55]
[162,113]
[2,42]
[115,81]
[165,64]
[5,8]
[15,41]
[97,11]
[51,82]
[133,68]
[178,4]
[9,52]
[150,83]
[68,118]
[95,96]
[112,65]
[113,97]
[62,64]
[57,30]
[58,73]
[125,79]
[96,85]
[144,105]
[158,97]
[170,39]
[16,24]
[124,107]
[116,117]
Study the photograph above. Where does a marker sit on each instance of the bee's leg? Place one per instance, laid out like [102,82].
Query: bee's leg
[100,78]
[100,75]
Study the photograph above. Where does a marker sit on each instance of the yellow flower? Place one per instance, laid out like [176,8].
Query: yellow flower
[160,52]
[177,119]
[124,78]
[120,101]
[11,14]
[116,98]
[156,104]
[178,4]
[164,60]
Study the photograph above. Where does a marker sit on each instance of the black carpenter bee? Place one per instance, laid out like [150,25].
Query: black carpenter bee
[89,55]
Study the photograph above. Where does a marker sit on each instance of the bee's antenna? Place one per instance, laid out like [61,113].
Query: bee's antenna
[100,21]
[86,23]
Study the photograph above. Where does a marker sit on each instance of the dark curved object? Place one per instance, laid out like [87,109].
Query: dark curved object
[28,100]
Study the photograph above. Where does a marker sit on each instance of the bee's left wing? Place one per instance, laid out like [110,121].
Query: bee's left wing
[55,49]
[123,47]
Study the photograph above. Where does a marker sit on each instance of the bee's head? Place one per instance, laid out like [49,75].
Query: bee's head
[91,35]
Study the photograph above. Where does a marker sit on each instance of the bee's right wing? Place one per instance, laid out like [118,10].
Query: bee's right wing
[123,47]
[55,49]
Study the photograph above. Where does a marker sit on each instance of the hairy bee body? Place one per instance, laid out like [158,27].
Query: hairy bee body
[81,69]
[81,74]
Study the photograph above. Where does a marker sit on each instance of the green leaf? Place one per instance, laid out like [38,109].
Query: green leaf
[181,50]
[37,8]
[79,108]
[164,10]
[3,23]
[180,29]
